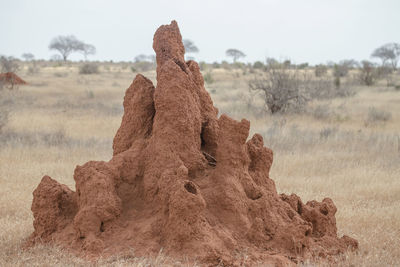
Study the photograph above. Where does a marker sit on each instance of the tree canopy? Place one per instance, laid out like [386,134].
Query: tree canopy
[235,54]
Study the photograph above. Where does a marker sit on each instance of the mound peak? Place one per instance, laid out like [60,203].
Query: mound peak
[184,180]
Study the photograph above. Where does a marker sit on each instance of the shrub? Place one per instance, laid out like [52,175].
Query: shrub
[340,70]
[88,69]
[225,65]
[8,64]
[375,115]
[287,63]
[33,70]
[301,66]
[327,132]
[60,74]
[238,65]
[208,78]
[321,70]
[368,73]
[336,82]
[385,72]
[258,65]
[321,112]
[203,65]
[216,65]
[327,87]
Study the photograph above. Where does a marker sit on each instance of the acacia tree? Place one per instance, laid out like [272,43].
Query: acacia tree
[87,49]
[235,54]
[66,45]
[388,53]
[28,56]
[190,47]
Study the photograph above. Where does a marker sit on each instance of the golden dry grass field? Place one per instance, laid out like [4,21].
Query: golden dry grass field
[336,148]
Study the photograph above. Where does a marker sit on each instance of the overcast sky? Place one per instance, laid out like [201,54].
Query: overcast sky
[314,31]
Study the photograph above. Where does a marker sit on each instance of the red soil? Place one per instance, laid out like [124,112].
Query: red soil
[184,180]
[10,78]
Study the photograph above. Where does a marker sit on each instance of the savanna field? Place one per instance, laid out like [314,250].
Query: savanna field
[346,147]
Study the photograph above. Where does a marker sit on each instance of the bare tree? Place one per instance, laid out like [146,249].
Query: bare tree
[235,54]
[28,56]
[388,53]
[190,47]
[87,49]
[282,87]
[66,45]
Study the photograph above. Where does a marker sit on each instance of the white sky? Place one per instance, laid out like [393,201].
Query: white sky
[313,31]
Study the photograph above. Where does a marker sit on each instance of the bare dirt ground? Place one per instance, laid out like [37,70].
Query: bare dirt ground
[336,148]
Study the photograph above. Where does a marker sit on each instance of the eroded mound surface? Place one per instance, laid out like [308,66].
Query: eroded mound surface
[184,180]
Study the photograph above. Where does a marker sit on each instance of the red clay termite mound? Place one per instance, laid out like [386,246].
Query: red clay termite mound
[11,79]
[184,180]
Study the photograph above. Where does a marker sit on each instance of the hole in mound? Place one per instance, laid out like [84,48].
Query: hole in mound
[191,188]
[203,142]
[102,227]
[299,209]
[207,147]
[308,232]
[324,211]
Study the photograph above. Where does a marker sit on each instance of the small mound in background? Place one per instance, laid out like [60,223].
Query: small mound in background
[11,79]
[185,181]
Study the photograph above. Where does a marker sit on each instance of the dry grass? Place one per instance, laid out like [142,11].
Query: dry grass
[63,119]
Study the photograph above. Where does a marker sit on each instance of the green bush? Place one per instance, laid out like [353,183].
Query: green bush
[258,65]
[300,66]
